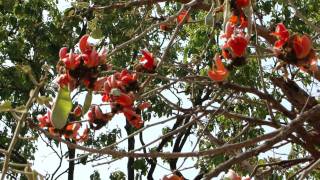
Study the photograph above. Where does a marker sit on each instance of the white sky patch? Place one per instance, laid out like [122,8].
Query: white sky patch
[63,4]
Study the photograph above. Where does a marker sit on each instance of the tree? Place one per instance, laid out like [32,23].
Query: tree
[247,71]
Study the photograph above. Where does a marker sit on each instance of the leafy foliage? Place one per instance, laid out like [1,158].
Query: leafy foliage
[255,99]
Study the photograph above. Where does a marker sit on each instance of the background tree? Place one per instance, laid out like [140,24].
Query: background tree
[256,107]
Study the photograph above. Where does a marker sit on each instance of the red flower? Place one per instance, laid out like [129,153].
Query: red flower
[228,30]
[44,120]
[283,35]
[91,116]
[71,130]
[77,111]
[124,99]
[84,46]
[226,52]
[278,44]
[93,59]
[233,19]
[144,105]
[64,80]
[164,27]
[89,61]
[242,3]
[147,61]
[99,84]
[183,13]
[243,20]
[232,175]
[105,97]
[127,78]
[238,45]
[311,64]
[53,131]
[136,121]
[172,177]
[86,83]
[63,52]
[71,60]
[103,56]
[97,119]
[133,118]
[98,112]
[112,81]
[301,46]
[85,135]
[220,73]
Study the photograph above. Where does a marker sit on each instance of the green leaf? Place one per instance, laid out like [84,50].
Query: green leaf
[61,108]
[96,33]
[81,5]
[140,164]
[209,20]
[95,176]
[42,100]
[83,160]
[25,68]
[93,27]
[5,106]
[87,102]
[117,175]
[204,71]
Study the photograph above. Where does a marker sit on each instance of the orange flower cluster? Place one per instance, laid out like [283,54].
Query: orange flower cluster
[220,73]
[82,68]
[295,49]
[70,131]
[119,90]
[236,42]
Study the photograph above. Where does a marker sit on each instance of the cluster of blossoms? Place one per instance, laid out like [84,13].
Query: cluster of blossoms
[80,68]
[70,130]
[231,175]
[119,89]
[236,41]
[295,49]
[75,69]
